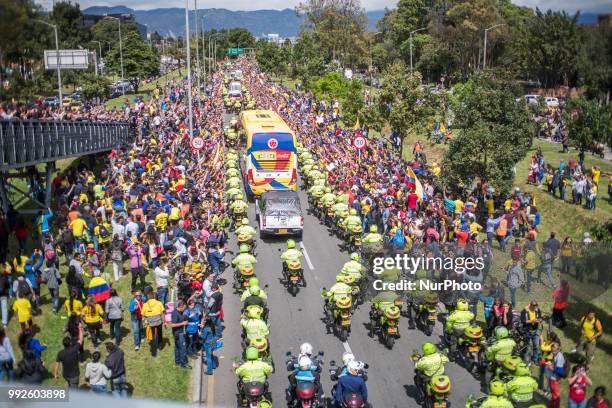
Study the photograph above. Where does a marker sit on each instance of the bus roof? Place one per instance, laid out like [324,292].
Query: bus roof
[263,121]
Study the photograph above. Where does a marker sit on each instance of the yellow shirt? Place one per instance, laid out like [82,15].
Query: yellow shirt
[77,307]
[23,308]
[475,227]
[490,206]
[83,198]
[508,204]
[20,268]
[590,327]
[78,225]
[94,316]
[152,307]
[595,174]
[161,221]
[458,206]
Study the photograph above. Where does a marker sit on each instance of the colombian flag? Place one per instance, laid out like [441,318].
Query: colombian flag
[99,289]
[412,181]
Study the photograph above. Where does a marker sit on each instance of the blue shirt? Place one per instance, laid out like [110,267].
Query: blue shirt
[351,383]
[43,220]
[193,319]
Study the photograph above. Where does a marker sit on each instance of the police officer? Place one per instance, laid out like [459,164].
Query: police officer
[457,322]
[244,258]
[496,398]
[252,370]
[521,387]
[373,237]
[430,364]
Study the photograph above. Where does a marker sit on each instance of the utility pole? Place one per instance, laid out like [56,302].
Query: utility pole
[197,38]
[57,58]
[484,60]
[188,68]
[100,48]
[120,53]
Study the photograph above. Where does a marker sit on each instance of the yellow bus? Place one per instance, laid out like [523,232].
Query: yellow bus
[271,156]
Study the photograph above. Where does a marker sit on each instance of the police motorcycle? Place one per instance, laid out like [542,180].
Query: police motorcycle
[338,311]
[252,385]
[384,317]
[305,388]
[470,352]
[349,399]
[433,392]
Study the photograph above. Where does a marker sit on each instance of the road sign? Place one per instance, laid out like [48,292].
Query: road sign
[197,143]
[68,59]
[235,51]
[359,142]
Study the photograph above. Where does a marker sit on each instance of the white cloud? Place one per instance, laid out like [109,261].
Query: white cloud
[592,6]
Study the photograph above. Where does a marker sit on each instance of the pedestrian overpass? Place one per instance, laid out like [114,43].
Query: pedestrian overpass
[26,145]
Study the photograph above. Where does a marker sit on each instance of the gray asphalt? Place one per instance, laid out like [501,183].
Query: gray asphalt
[295,320]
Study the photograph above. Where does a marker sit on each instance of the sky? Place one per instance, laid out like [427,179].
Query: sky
[586,6]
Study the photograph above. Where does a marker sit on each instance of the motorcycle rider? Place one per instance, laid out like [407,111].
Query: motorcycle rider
[521,387]
[351,221]
[337,291]
[353,383]
[304,371]
[253,291]
[373,237]
[253,326]
[317,190]
[252,370]
[502,348]
[244,258]
[430,364]
[238,206]
[457,322]
[496,398]
[291,254]
[354,266]
[246,229]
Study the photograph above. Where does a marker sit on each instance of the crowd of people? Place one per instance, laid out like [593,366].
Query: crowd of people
[148,213]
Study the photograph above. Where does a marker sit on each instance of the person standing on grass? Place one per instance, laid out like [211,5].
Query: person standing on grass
[178,323]
[23,308]
[116,254]
[556,371]
[96,374]
[599,400]
[136,264]
[136,318]
[567,255]
[162,274]
[52,278]
[578,382]
[152,313]
[114,314]
[69,359]
[115,361]
[93,318]
[514,278]
[560,297]
[591,330]
[531,317]
[7,357]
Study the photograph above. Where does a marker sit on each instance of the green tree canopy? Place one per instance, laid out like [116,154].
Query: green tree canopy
[139,60]
[494,133]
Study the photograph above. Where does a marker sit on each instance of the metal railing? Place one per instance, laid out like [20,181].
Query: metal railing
[26,143]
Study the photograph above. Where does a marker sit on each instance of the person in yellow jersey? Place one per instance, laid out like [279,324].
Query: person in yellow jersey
[430,364]
[152,318]
[253,370]
[521,387]
[253,326]
[23,309]
[457,322]
[458,205]
[78,226]
[496,398]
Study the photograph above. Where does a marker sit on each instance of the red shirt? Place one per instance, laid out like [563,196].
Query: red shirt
[577,390]
[462,237]
[412,200]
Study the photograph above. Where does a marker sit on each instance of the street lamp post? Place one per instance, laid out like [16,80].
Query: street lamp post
[57,58]
[212,43]
[484,60]
[100,49]
[188,68]
[120,53]
[412,32]
[197,38]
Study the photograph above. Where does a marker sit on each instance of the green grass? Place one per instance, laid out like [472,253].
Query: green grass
[144,90]
[149,377]
[566,220]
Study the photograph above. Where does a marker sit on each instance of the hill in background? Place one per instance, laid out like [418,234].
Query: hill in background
[171,21]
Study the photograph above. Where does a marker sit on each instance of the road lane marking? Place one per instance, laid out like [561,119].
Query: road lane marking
[347,348]
[310,265]
[210,395]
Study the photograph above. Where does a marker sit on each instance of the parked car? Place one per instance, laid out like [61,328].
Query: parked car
[531,99]
[552,102]
[52,101]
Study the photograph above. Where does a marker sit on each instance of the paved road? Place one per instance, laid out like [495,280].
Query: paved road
[298,319]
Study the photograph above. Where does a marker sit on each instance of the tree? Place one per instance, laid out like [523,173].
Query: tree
[335,87]
[595,62]
[403,99]
[588,122]
[139,60]
[307,61]
[69,20]
[338,26]
[494,133]
[107,30]
[95,86]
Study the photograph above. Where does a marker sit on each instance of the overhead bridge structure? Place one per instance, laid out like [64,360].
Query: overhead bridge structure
[26,145]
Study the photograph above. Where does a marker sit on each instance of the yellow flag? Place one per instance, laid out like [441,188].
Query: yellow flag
[357,126]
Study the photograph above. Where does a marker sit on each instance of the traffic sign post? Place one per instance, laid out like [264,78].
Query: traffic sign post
[359,142]
[235,51]
[197,143]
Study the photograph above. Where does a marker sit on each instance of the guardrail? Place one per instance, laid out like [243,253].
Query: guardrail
[26,143]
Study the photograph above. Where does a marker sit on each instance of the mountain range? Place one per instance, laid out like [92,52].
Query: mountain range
[171,21]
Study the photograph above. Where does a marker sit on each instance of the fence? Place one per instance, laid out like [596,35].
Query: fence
[26,143]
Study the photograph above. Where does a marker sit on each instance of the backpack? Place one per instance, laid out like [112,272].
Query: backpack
[23,289]
[103,231]
[67,237]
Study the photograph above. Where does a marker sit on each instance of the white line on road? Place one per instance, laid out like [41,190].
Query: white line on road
[306,256]
[347,348]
